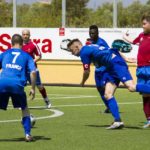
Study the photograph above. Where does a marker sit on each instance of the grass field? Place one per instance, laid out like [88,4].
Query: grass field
[81,127]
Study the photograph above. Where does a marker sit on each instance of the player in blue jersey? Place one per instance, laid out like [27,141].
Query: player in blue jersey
[117,70]
[14,64]
[100,72]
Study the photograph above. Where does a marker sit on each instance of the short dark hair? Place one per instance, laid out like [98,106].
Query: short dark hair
[16,39]
[93,27]
[72,41]
[146,17]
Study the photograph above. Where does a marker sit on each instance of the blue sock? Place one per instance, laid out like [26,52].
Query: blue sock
[26,122]
[113,106]
[143,88]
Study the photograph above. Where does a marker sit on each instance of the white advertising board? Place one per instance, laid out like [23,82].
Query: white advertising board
[49,39]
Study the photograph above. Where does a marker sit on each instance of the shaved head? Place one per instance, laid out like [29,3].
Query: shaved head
[26,35]
[26,31]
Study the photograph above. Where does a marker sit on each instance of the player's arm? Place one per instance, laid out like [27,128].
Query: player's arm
[37,58]
[129,60]
[32,69]
[86,74]
[37,53]
[33,82]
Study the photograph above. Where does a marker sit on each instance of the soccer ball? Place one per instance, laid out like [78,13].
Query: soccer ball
[33,120]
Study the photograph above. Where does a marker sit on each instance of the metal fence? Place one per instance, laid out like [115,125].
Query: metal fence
[60,12]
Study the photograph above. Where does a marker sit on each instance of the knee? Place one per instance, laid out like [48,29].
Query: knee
[40,87]
[132,88]
[108,96]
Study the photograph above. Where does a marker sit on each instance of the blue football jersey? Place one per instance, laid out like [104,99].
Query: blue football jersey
[15,63]
[101,43]
[92,54]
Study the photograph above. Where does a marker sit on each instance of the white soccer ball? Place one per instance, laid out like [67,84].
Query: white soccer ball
[33,120]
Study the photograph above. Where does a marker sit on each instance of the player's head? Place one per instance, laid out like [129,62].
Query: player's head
[16,40]
[146,23]
[74,46]
[93,32]
[26,35]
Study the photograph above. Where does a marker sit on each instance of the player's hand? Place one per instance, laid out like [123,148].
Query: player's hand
[32,94]
[127,33]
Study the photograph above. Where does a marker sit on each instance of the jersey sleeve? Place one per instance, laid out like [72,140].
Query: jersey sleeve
[37,50]
[104,43]
[137,40]
[85,58]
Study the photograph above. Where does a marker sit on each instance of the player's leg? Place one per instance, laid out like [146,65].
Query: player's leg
[20,101]
[146,109]
[100,85]
[120,71]
[143,74]
[132,87]
[101,92]
[42,90]
[4,99]
[113,106]
[26,122]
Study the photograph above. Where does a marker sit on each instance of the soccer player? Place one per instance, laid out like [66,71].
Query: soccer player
[101,71]
[143,61]
[14,64]
[117,71]
[34,51]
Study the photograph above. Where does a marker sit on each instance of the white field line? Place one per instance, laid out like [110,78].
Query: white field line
[57,113]
[81,105]
[84,105]
[72,97]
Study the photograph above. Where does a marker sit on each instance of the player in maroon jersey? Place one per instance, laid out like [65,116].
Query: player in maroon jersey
[143,61]
[34,51]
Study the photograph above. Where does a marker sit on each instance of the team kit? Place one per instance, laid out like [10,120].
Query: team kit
[19,67]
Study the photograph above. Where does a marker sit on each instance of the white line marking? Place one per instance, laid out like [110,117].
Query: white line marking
[66,95]
[80,105]
[57,113]
[71,97]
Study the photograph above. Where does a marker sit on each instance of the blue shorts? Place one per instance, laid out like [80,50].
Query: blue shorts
[143,75]
[38,79]
[103,77]
[10,88]
[18,100]
[118,70]
[11,85]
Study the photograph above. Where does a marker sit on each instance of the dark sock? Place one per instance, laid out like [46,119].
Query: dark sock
[43,92]
[146,107]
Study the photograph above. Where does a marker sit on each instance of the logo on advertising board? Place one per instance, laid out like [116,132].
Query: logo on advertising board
[61,31]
